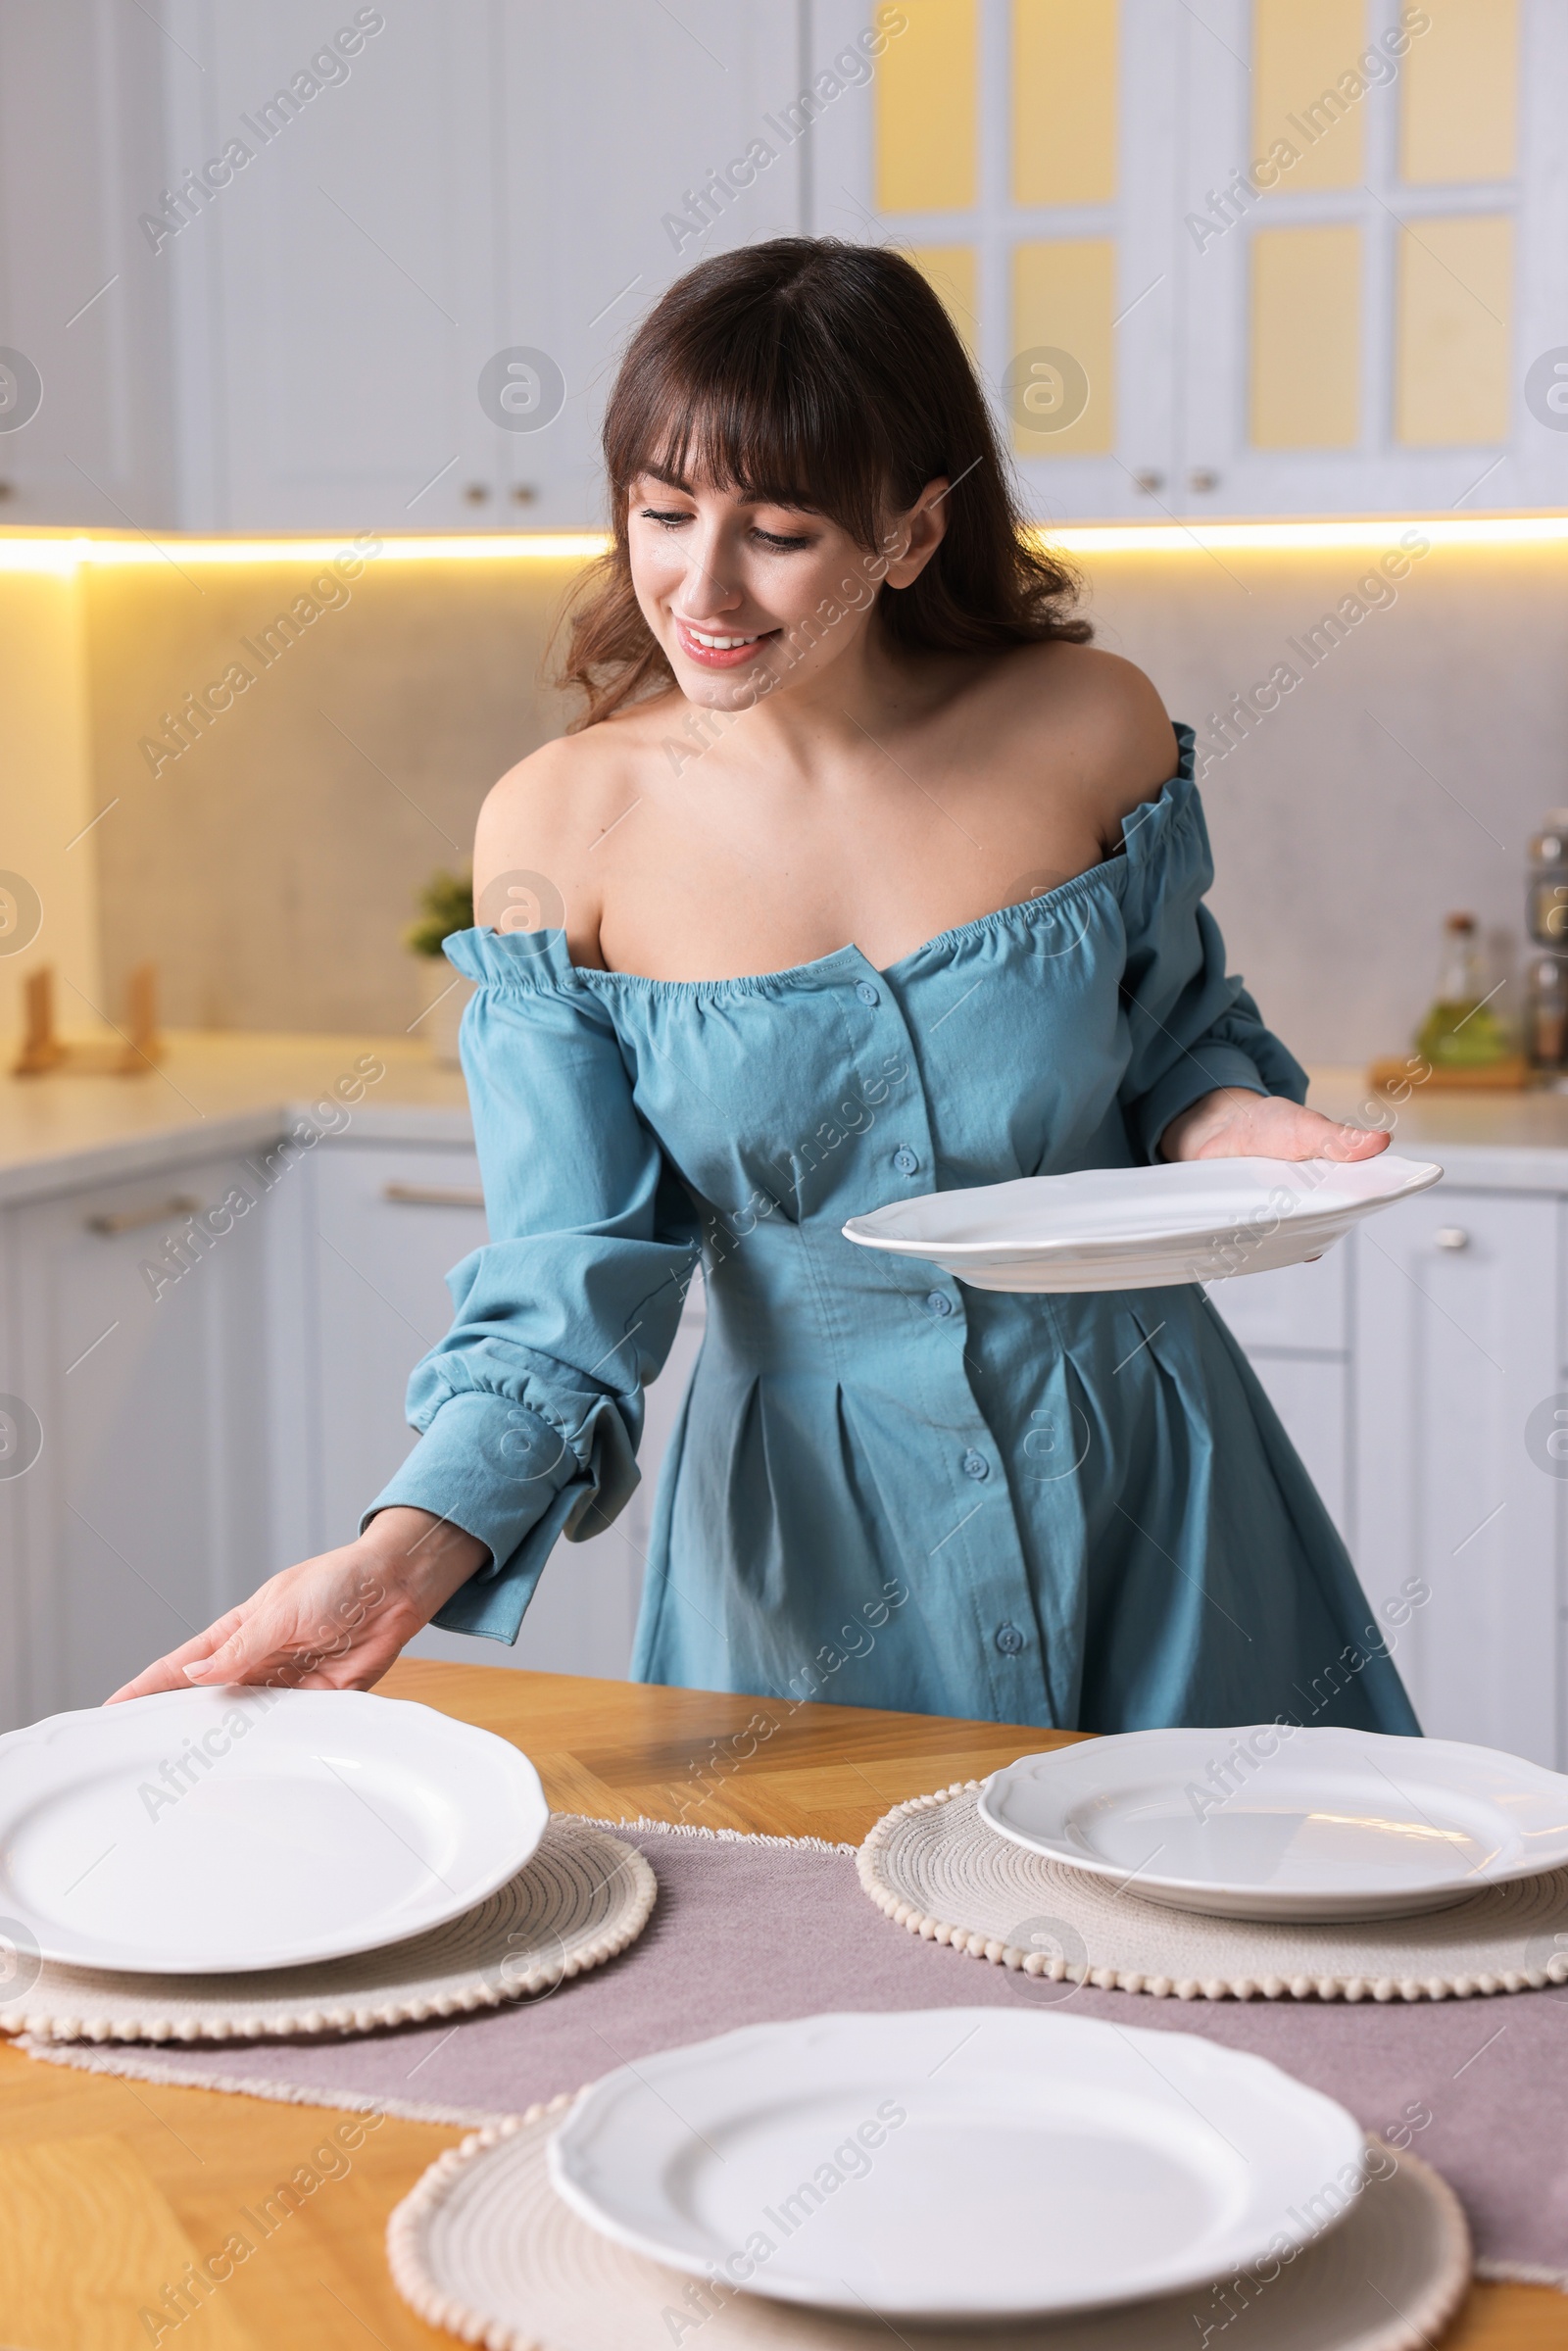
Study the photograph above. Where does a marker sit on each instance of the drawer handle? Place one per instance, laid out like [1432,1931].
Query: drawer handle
[434,1196]
[131,1221]
[1451,1236]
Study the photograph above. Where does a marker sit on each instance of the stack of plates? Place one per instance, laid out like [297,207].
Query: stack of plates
[1268,1822]
[1140,1228]
[956,2165]
[224,1831]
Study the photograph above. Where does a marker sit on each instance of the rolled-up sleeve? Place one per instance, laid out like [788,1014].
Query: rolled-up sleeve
[1190,1027]
[531,1407]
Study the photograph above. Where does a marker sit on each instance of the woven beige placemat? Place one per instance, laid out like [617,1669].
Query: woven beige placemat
[583,1896]
[935,1867]
[485,2248]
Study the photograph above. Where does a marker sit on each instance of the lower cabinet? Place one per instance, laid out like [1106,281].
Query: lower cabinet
[1417,1368]
[1295,1325]
[1456,1362]
[133,1488]
[1312,1397]
[388,1222]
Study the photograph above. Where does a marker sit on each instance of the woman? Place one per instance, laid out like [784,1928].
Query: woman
[862,875]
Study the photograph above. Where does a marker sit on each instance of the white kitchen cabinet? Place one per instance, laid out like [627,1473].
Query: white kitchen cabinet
[1295,1326]
[1312,1397]
[1457,1343]
[610,119]
[1371,328]
[1320,273]
[483,179]
[1110,440]
[1404,1365]
[1294,1306]
[335,295]
[387,1223]
[81,298]
[304,346]
[145,1512]
[303,349]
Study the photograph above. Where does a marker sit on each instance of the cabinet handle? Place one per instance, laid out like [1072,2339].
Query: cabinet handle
[1203,478]
[1451,1236]
[434,1196]
[131,1221]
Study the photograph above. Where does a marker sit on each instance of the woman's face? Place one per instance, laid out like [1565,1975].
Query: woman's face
[745,596]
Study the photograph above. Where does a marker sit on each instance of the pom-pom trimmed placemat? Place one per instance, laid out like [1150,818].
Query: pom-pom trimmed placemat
[485,2248]
[583,1896]
[935,1867]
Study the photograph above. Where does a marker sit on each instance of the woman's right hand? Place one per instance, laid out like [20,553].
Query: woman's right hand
[336,1622]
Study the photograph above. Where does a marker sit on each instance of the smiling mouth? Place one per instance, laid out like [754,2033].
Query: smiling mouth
[719,649]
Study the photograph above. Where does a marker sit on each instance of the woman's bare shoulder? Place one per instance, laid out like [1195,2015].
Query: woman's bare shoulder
[1100,720]
[544,817]
[551,797]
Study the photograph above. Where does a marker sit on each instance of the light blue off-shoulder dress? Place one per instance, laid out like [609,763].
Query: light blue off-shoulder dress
[885,1488]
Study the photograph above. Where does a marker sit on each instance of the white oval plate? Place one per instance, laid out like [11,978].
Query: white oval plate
[204,1830]
[1257,1823]
[956,2162]
[1137,1228]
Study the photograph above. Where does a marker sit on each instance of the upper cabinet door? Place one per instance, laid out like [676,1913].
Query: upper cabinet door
[1238,255]
[84,319]
[403,308]
[334,265]
[631,140]
[1372,258]
[1024,154]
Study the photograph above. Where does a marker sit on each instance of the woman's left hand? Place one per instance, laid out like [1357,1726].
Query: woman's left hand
[1233,1123]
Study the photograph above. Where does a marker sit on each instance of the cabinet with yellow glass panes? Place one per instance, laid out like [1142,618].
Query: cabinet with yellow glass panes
[1234,256]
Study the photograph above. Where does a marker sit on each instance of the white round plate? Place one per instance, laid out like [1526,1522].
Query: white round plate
[1140,1228]
[956,2162]
[1264,1822]
[207,1830]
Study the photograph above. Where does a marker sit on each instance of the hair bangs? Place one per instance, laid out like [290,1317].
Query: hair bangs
[765,423]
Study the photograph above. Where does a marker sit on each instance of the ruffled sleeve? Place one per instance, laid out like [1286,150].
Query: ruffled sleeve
[531,1408]
[1192,1028]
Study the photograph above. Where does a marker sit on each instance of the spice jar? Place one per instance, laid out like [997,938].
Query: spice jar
[1549,882]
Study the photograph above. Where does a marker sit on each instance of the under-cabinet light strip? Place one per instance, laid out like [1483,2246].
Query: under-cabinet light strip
[62,553]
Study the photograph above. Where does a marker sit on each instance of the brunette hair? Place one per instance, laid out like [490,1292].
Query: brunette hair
[820,374]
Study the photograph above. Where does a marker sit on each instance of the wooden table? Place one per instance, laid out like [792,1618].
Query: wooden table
[108,2187]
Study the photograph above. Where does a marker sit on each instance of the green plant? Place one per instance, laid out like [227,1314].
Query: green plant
[446,904]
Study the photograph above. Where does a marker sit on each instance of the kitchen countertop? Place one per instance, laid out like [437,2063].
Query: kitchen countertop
[217,1091]
[112,2185]
[227,1091]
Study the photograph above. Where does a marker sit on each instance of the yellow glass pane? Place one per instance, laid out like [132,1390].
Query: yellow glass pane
[952,270]
[1455,295]
[1306,338]
[928,103]
[1063,302]
[1460,111]
[1063,101]
[1307,90]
